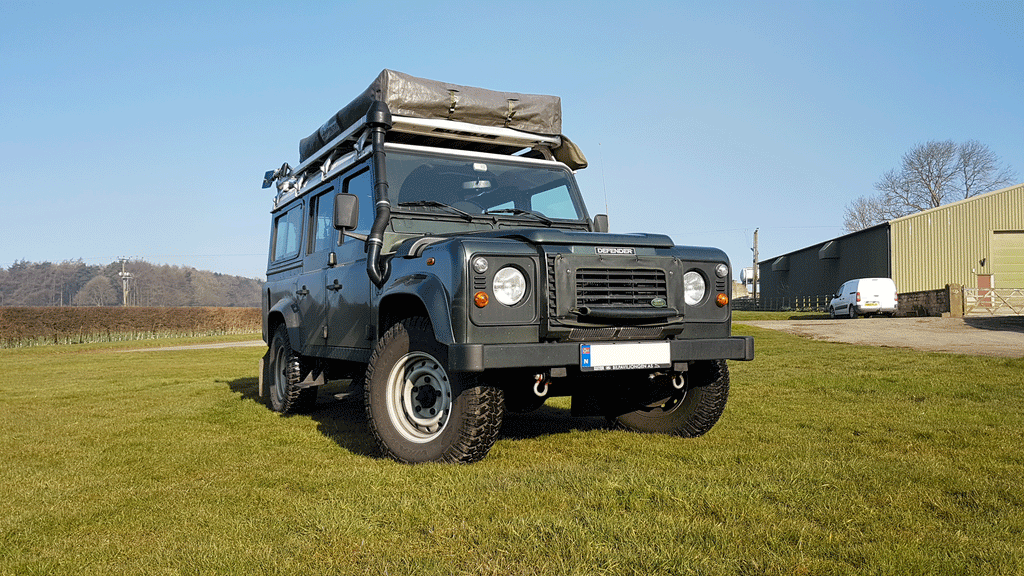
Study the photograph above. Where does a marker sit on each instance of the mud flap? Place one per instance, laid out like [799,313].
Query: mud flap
[263,367]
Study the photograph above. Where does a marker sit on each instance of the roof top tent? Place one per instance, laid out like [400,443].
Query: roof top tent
[431,113]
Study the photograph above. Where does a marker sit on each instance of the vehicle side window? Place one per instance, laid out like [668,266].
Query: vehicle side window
[288,234]
[361,185]
[321,222]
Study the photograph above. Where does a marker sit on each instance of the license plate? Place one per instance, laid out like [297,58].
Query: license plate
[871,303]
[625,356]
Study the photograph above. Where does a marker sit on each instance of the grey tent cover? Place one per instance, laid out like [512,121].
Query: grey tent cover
[407,95]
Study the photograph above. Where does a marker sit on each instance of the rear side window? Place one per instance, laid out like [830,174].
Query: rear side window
[288,234]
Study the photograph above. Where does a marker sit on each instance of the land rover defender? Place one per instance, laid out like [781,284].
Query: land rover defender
[432,246]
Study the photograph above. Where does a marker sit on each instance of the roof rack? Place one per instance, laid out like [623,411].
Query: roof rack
[430,113]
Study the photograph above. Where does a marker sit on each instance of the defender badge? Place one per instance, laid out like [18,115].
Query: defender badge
[659,303]
[604,250]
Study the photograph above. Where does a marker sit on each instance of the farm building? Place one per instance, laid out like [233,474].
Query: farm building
[977,243]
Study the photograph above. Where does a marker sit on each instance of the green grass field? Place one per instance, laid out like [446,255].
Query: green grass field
[829,459]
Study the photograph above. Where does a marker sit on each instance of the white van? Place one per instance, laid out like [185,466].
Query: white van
[864,296]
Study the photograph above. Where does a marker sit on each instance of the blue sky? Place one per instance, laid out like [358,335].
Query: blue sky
[130,129]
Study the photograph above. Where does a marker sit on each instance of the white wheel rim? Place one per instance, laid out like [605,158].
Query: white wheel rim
[280,375]
[419,397]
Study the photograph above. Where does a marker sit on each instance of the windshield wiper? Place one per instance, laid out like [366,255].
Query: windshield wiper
[434,203]
[518,211]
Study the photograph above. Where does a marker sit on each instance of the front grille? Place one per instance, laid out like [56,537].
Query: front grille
[606,287]
[586,334]
[625,333]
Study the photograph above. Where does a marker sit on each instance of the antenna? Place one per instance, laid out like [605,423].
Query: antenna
[604,184]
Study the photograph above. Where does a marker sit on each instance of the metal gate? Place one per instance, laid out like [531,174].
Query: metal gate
[993,301]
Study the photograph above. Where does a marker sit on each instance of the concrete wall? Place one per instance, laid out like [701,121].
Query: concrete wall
[929,302]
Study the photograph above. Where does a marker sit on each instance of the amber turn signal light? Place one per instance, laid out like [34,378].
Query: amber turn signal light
[481,299]
[722,300]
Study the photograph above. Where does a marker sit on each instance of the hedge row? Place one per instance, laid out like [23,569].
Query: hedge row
[68,325]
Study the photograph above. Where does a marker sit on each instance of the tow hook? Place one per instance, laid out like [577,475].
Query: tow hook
[540,385]
[678,381]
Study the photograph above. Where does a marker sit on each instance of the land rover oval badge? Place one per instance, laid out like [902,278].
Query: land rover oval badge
[659,303]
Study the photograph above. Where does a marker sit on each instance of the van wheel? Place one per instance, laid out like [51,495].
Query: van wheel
[417,410]
[285,372]
[852,312]
[831,312]
[689,412]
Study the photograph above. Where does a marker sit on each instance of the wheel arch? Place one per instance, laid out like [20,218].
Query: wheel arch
[285,312]
[418,295]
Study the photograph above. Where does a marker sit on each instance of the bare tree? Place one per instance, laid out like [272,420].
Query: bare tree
[925,180]
[864,212]
[931,174]
[979,172]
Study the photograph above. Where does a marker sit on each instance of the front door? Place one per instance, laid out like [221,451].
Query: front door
[348,286]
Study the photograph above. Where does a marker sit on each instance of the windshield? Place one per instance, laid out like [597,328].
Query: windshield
[474,187]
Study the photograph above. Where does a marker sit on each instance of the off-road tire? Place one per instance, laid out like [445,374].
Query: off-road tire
[418,411]
[285,371]
[689,412]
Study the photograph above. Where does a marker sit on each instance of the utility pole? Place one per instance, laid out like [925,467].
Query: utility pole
[755,268]
[125,280]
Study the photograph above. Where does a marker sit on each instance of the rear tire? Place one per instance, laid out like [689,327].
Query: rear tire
[285,373]
[852,312]
[417,410]
[689,412]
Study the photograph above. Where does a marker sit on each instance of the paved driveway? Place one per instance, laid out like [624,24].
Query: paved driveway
[998,336]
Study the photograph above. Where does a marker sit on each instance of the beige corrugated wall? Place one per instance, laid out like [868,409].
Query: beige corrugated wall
[946,245]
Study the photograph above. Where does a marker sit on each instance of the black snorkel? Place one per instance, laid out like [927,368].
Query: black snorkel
[378,119]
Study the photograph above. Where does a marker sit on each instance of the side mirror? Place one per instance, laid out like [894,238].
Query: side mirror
[346,212]
[600,223]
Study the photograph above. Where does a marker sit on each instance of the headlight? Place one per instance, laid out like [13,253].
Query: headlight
[509,286]
[722,270]
[694,288]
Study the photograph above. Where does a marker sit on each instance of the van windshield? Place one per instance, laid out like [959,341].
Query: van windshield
[478,187]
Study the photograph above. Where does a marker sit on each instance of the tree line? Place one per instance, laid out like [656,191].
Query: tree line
[930,175]
[74,283]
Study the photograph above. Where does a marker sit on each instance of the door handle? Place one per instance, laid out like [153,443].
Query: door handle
[335,286]
[302,292]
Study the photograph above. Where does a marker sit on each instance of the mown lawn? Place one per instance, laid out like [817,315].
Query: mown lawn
[830,459]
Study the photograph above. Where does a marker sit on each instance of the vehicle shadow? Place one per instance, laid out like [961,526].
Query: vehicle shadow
[338,413]
[547,420]
[997,323]
[340,416]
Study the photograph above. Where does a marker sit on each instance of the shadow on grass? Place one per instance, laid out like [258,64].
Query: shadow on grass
[340,416]
[547,420]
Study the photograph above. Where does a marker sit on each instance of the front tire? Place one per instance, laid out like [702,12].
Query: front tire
[417,410]
[689,412]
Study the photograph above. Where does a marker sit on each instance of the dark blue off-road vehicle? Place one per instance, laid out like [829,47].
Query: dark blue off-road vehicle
[432,246]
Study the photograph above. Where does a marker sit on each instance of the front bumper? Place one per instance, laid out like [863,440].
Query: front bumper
[480,357]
